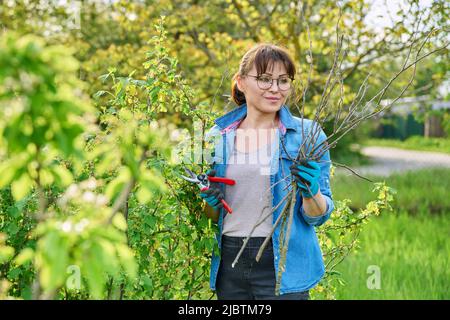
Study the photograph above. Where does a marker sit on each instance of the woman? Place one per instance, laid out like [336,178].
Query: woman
[249,150]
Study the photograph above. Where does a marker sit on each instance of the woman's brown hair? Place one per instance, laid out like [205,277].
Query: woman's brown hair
[261,55]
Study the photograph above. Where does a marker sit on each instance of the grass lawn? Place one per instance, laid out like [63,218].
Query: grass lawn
[412,254]
[416,190]
[410,246]
[413,143]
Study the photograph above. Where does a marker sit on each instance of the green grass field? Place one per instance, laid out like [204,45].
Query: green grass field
[416,190]
[412,254]
[413,143]
[410,246]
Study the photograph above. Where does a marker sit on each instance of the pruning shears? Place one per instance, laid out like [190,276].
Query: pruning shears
[203,180]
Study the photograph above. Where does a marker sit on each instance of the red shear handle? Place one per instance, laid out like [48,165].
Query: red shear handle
[226,206]
[227,181]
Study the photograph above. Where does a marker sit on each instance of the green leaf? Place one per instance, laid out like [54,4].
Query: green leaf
[109,258]
[150,221]
[94,272]
[6,253]
[63,142]
[115,186]
[127,260]
[119,222]
[12,168]
[104,77]
[63,175]
[14,273]
[12,228]
[13,212]
[144,195]
[106,162]
[21,187]
[152,181]
[46,177]
[24,256]
[7,173]
[53,257]
[100,93]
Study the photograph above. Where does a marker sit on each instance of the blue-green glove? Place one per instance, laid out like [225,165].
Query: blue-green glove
[213,195]
[307,173]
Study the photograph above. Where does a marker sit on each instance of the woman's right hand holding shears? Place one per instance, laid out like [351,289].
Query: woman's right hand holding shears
[213,196]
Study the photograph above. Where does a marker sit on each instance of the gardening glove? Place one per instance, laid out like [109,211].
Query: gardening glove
[306,173]
[213,195]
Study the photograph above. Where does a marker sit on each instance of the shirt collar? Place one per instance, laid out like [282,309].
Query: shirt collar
[232,119]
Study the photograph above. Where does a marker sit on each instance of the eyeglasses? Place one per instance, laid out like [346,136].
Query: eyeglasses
[265,82]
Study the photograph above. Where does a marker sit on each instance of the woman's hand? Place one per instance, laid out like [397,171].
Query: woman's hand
[213,195]
[307,173]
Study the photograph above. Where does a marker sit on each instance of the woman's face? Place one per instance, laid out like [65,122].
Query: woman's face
[258,98]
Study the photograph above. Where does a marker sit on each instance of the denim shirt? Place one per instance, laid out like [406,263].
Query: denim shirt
[304,262]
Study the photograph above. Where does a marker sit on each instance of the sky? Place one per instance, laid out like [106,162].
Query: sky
[378,16]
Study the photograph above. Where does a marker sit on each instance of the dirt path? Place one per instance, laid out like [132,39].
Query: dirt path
[389,160]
